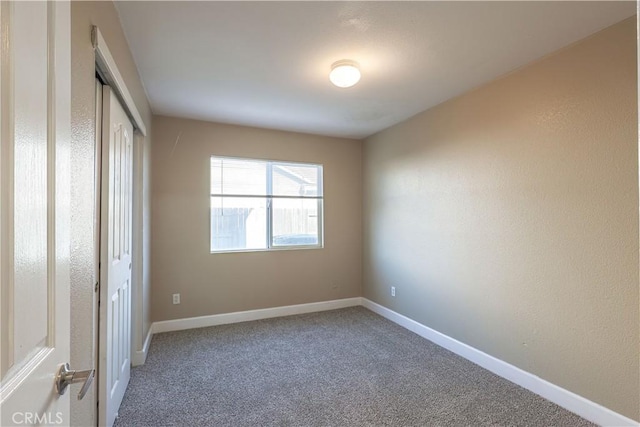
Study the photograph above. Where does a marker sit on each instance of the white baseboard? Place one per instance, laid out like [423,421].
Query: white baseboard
[577,404]
[585,408]
[245,316]
[140,356]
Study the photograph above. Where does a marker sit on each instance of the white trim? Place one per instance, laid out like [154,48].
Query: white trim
[577,404]
[245,316]
[107,64]
[140,356]
[138,340]
[108,69]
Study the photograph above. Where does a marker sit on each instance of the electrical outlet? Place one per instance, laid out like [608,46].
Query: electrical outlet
[393,291]
[176,298]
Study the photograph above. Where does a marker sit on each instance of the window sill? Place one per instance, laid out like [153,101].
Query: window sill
[275,249]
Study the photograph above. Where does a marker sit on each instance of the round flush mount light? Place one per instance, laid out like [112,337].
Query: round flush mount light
[344,73]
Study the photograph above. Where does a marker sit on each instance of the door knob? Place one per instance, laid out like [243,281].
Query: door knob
[66,376]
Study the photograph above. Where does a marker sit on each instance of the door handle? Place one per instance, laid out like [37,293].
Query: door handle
[66,376]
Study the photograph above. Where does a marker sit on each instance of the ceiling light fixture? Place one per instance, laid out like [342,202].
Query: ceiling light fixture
[344,73]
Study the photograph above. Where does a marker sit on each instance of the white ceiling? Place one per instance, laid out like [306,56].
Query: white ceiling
[266,64]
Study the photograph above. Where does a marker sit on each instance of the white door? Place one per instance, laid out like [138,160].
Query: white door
[34,210]
[115,257]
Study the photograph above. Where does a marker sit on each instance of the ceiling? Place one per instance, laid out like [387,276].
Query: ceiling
[266,64]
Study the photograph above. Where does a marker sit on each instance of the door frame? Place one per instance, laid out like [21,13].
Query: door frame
[107,69]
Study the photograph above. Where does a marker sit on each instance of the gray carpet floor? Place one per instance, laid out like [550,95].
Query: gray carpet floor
[346,367]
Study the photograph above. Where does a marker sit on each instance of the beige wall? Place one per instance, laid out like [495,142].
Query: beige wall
[83,309]
[228,282]
[507,218]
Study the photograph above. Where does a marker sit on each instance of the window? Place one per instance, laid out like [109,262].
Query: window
[263,205]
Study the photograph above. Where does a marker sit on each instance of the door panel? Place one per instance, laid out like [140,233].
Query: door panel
[30,177]
[115,313]
[34,209]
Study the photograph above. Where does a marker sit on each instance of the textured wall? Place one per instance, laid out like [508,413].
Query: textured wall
[83,308]
[507,218]
[228,282]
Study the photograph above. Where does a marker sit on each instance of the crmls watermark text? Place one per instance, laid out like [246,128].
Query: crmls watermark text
[29,418]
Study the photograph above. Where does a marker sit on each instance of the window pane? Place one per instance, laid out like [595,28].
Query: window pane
[238,223]
[295,222]
[238,176]
[297,180]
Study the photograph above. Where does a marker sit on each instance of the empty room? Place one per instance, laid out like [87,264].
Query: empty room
[319,213]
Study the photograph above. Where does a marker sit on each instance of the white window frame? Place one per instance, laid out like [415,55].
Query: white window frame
[269,198]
